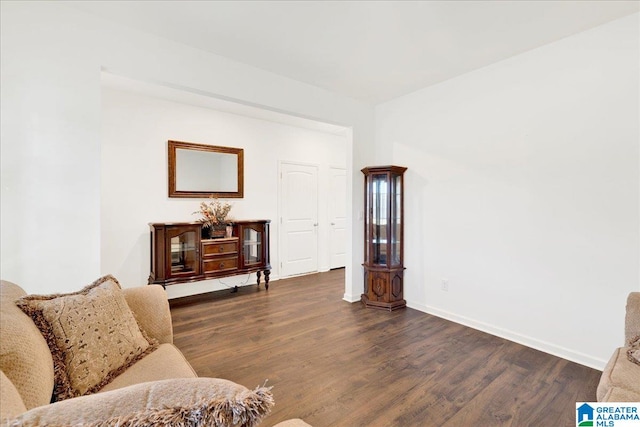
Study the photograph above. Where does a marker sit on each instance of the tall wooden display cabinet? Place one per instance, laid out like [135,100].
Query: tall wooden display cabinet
[383,237]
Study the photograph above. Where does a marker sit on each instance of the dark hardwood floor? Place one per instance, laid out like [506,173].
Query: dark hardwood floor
[332,363]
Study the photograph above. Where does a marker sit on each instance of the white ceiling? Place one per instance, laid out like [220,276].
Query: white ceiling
[368,50]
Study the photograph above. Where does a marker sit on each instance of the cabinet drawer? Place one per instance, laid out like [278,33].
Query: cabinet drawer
[213,265]
[220,248]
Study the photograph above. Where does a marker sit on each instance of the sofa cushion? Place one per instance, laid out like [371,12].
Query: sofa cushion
[12,404]
[24,355]
[185,402]
[164,363]
[620,377]
[92,335]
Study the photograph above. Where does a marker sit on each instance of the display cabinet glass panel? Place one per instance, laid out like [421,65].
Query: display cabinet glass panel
[395,236]
[184,253]
[252,244]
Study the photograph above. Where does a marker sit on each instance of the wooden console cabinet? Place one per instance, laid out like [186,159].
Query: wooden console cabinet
[179,254]
[383,237]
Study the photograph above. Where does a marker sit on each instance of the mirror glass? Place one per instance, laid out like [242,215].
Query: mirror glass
[198,170]
[203,171]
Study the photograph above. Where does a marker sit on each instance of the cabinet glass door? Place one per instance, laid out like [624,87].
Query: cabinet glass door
[379,218]
[395,226]
[184,253]
[252,246]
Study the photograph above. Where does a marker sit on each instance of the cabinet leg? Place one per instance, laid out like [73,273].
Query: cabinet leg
[266,279]
[258,274]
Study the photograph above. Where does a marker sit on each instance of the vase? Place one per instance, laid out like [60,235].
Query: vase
[205,232]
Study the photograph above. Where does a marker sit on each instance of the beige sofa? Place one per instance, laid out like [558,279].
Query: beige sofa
[154,386]
[620,381]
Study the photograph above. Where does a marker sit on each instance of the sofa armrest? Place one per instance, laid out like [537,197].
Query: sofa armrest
[151,309]
[632,318]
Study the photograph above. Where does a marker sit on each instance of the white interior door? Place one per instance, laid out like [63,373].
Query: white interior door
[299,219]
[337,218]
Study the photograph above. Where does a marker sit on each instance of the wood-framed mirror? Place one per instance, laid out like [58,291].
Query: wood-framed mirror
[199,170]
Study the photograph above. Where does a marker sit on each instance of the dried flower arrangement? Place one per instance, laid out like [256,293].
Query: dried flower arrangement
[214,213]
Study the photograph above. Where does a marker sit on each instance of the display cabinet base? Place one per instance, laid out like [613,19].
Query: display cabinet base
[382,305]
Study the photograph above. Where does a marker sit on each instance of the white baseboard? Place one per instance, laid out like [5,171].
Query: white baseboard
[565,353]
[351,298]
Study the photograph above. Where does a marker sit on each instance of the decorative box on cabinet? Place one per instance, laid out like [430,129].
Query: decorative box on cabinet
[383,237]
[179,254]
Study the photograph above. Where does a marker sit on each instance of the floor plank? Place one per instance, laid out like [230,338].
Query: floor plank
[338,364]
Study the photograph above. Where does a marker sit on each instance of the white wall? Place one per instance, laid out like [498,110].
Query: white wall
[51,61]
[134,177]
[522,187]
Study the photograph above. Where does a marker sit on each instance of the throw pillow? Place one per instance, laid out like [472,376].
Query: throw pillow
[92,334]
[633,353]
[186,402]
